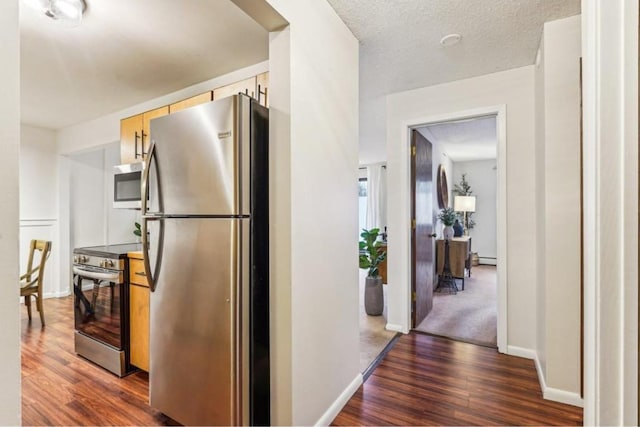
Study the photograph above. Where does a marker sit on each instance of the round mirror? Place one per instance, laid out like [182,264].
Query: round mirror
[443,188]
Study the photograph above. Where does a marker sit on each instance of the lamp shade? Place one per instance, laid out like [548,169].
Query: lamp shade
[464,204]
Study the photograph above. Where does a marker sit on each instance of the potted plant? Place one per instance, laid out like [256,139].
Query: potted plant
[464,189]
[370,258]
[448,217]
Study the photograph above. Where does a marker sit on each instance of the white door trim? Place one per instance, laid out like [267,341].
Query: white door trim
[500,111]
[610,174]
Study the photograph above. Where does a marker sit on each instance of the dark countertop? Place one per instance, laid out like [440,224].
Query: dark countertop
[110,250]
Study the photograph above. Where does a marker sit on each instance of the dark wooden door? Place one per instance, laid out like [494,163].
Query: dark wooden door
[422,227]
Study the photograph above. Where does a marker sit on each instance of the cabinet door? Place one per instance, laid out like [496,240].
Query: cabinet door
[146,126]
[130,139]
[262,89]
[191,102]
[139,326]
[137,274]
[245,86]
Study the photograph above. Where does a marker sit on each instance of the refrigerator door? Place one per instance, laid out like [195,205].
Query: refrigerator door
[200,163]
[199,321]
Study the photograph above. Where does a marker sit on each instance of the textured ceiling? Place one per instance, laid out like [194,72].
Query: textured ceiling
[400,39]
[465,140]
[127,52]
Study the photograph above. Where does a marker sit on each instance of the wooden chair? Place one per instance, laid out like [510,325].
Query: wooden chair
[30,286]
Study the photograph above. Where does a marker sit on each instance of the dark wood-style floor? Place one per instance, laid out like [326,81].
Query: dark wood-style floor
[426,380]
[61,388]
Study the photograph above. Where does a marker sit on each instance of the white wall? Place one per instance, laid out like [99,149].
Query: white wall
[610,111]
[515,89]
[316,183]
[439,157]
[9,214]
[38,173]
[93,219]
[482,177]
[373,124]
[561,209]
[39,201]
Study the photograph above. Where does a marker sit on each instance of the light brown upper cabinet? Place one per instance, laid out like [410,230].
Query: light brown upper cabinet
[135,132]
[247,86]
[135,135]
[130,139]
[146,126]
[191,102]
[262,90]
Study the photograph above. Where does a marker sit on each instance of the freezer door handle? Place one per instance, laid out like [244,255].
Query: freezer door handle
[145,178]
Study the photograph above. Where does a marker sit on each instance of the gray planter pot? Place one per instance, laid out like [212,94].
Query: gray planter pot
[373,296]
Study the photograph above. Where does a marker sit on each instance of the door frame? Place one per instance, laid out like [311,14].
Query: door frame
[500,111]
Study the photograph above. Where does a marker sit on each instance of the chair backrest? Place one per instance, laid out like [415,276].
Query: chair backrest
[44,247]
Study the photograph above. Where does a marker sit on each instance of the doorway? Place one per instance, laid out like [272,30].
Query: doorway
[499,114]
[374,337]
[454,278]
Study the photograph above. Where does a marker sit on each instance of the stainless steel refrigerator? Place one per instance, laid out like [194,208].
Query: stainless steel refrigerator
[205,233]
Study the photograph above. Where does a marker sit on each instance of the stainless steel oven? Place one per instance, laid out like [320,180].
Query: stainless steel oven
[101,309]
[126,186]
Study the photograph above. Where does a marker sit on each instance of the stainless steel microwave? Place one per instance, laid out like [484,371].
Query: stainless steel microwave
[127,180]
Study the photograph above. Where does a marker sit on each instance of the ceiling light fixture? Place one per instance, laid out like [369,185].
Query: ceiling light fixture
[450,39]
[66,12]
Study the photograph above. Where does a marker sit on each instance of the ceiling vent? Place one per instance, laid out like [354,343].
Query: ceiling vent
[450,39]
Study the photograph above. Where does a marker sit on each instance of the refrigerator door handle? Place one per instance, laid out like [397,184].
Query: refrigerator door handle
[145,250]
[145,178]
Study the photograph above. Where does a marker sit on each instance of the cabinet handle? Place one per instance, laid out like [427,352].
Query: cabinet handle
[260,93]
[140,273]
[136,145]
[142,145]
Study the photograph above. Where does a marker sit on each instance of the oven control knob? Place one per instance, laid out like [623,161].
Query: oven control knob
[76,259]
[83,259]
[106,263]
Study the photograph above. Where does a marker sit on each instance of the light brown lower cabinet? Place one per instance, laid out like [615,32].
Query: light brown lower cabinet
[139,326]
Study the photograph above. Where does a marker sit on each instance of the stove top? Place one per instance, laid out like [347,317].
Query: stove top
[113,251]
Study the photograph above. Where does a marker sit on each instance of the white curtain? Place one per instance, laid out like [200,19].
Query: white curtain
[376,197]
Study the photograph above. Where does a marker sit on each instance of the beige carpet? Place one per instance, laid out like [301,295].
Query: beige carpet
[373,336]
[469,315]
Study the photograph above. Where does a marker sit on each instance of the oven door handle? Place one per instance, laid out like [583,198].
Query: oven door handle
[96,275]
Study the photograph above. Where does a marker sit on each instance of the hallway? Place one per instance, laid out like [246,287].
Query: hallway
[426,380]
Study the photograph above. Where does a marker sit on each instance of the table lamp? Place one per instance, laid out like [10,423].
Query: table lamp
[465,204]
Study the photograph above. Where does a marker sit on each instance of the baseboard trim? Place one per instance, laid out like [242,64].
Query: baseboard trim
[562,396]
[395,327]
[332,412]
[541,379]
[554,394]
[527,353]
[60,294]
[487,261]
